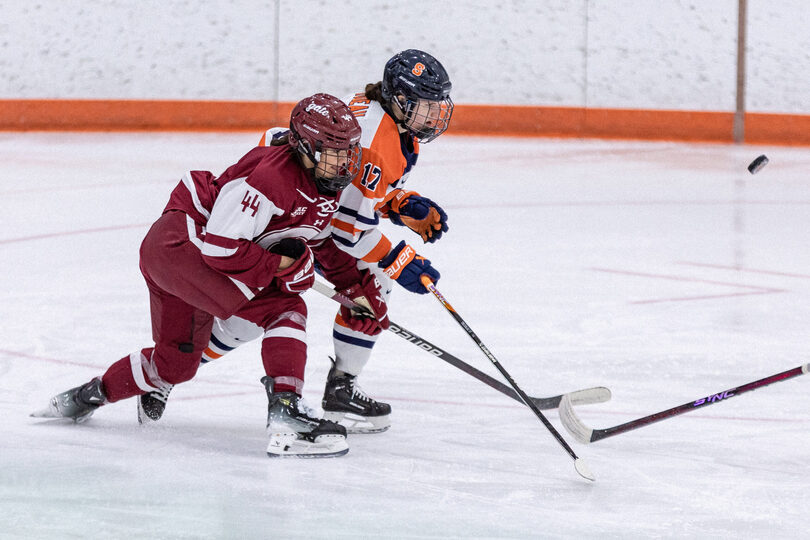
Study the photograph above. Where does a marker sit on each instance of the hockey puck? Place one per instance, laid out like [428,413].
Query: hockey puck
[758,164]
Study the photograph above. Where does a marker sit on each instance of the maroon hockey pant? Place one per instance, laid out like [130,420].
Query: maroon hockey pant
[185,294]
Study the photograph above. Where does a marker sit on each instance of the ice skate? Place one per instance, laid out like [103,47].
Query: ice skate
[152,404]
[345,402]
[78,403]
[296,431]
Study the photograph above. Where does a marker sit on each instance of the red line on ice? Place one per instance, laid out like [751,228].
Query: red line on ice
[749,270]
[71,233]
[706,297]
[755,289]
[79,187]
[50,360]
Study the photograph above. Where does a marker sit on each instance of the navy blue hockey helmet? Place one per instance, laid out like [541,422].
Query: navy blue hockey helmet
[418,86]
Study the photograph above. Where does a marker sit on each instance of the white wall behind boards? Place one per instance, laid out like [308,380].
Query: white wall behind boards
[662,54]
[779,56]
[141,50]
[655,54]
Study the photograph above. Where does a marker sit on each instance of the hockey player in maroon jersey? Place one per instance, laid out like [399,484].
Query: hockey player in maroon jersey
[250,235]
[409,106]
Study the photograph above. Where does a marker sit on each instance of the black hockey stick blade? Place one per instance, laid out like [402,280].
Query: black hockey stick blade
[586,435]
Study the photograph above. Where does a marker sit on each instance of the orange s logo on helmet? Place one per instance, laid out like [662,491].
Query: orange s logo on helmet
[418,69]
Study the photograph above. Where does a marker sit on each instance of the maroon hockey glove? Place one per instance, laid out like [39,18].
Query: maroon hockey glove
[300,275]
[368,294]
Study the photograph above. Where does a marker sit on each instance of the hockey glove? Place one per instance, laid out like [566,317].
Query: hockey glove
[405,266]
[367,294]
[419,214]
[300,275]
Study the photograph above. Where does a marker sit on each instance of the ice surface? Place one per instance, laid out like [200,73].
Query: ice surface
[663,271]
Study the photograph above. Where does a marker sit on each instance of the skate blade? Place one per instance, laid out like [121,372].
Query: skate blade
[45,413]
[288,445]
[355,424]
[143,417]
[50,413]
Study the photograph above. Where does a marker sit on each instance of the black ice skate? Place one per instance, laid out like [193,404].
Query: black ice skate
[152,404]
[296,431]
[346,403]
[78,403]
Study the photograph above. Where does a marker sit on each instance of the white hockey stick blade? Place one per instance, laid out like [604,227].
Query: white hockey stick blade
[584,470]
[588,396]
[572,423]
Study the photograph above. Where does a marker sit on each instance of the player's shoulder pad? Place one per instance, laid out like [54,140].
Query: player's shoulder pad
[275,136]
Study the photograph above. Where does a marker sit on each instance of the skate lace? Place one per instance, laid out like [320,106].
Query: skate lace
[358,393]
[162,394]
[306,409]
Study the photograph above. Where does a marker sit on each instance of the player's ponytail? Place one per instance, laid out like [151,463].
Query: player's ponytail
[374,92]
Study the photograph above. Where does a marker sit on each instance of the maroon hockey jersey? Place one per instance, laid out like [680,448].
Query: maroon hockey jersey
[266,196]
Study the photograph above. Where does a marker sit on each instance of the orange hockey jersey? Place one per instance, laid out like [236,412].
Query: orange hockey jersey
[387,160]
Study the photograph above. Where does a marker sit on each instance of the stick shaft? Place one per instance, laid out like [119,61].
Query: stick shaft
[432,288]
[697,404]
[541,402]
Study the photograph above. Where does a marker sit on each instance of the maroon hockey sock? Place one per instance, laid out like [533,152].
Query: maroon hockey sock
[284,360]
[119,382]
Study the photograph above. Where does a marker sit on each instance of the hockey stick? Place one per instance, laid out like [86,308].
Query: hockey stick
[579,464]
[598,394]
[587,435]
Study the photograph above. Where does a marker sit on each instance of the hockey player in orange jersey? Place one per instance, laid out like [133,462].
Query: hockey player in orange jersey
[411,105]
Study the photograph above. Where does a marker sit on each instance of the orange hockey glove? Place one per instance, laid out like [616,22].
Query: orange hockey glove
[419,214]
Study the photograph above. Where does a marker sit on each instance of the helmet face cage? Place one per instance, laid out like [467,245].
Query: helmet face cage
[425,119]
[336,168]
[417,85]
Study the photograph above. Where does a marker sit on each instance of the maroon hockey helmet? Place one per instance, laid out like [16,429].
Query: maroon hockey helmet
[324,129]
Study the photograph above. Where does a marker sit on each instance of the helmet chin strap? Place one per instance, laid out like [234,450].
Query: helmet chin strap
[397,112]
[402,128]
[401,117]
[309,166]
[320,183]
[323,189]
